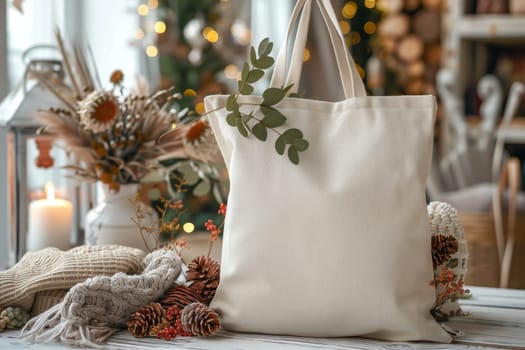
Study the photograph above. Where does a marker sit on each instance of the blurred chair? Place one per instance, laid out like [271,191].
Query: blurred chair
[508,185]
[469,150]
[480,204]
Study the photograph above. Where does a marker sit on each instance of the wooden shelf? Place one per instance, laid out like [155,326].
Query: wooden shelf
[492,28]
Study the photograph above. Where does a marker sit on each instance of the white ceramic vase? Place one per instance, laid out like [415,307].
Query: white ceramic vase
[111,221]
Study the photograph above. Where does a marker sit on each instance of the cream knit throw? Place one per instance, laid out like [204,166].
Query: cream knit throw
[95,309]
[52,269]
[46,300]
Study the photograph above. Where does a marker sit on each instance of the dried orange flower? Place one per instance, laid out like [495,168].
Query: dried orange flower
[196,130]
[116,77]
[99,110]
[200,142]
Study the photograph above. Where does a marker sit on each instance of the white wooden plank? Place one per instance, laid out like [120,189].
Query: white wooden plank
[229,341]
[492,324]
[502,298]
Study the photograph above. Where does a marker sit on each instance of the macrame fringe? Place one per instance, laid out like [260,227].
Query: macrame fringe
[52,326]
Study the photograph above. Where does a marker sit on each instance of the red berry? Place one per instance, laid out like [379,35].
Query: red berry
[222,209]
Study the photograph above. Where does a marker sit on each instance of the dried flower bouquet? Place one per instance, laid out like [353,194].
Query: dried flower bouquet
[116,137]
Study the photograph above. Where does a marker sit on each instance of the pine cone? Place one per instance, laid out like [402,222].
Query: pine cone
[145,318]
[203,274]
[180,296]
[443,247]
[200,320]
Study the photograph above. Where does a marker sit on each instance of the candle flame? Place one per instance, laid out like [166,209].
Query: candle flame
[50,191]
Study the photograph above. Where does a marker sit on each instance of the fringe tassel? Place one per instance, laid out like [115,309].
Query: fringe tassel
[44,322]
[53,326]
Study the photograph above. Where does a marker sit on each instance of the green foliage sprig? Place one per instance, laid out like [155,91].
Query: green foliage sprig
[247,123]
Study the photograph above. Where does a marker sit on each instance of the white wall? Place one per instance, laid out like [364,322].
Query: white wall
[3,157]
[269,18]
[3,51]
[107,26]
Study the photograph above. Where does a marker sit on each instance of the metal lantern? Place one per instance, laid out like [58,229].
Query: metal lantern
[34,159]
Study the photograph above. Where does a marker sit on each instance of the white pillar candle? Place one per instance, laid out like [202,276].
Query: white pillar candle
[50,222]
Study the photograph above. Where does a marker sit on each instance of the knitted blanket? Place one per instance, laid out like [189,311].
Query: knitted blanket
[54,269]
[94,310]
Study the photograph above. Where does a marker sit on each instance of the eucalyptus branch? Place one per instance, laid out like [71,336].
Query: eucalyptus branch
[252,72]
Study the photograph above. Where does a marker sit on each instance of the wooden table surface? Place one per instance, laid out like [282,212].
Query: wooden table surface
[496,321]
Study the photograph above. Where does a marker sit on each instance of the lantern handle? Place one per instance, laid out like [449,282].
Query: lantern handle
[26,59]
[40,64]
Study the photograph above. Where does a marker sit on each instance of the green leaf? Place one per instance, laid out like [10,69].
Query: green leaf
[293,155]
[246,118]
[264,62]
[272,117]
[245,88]
[253,56]
[254,75]
[259,130]
[293,134]
[190,176]
[202,188]
[265,47]
[231,119]
[245,71]
[231,103]
[300,145]
[272,96]
[242,129]
[280,145]
[286,89]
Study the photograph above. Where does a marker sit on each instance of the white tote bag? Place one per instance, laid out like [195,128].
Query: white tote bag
[339,244]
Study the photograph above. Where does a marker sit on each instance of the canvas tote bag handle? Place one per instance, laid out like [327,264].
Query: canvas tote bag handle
[351,82]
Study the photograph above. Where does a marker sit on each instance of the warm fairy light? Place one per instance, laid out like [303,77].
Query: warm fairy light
[139,34]
[190,92]
[153,4]
[306,55]
[160,27]
[370,27]
[188,227]
[345,27]
[152,51]
[230,71]
[173,126]
[370,3]
[199,108]
[382,5]
[50,191]
[210,34]
[349,10]
[143,9]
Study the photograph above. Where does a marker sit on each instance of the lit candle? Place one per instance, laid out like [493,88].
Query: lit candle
[50,222]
